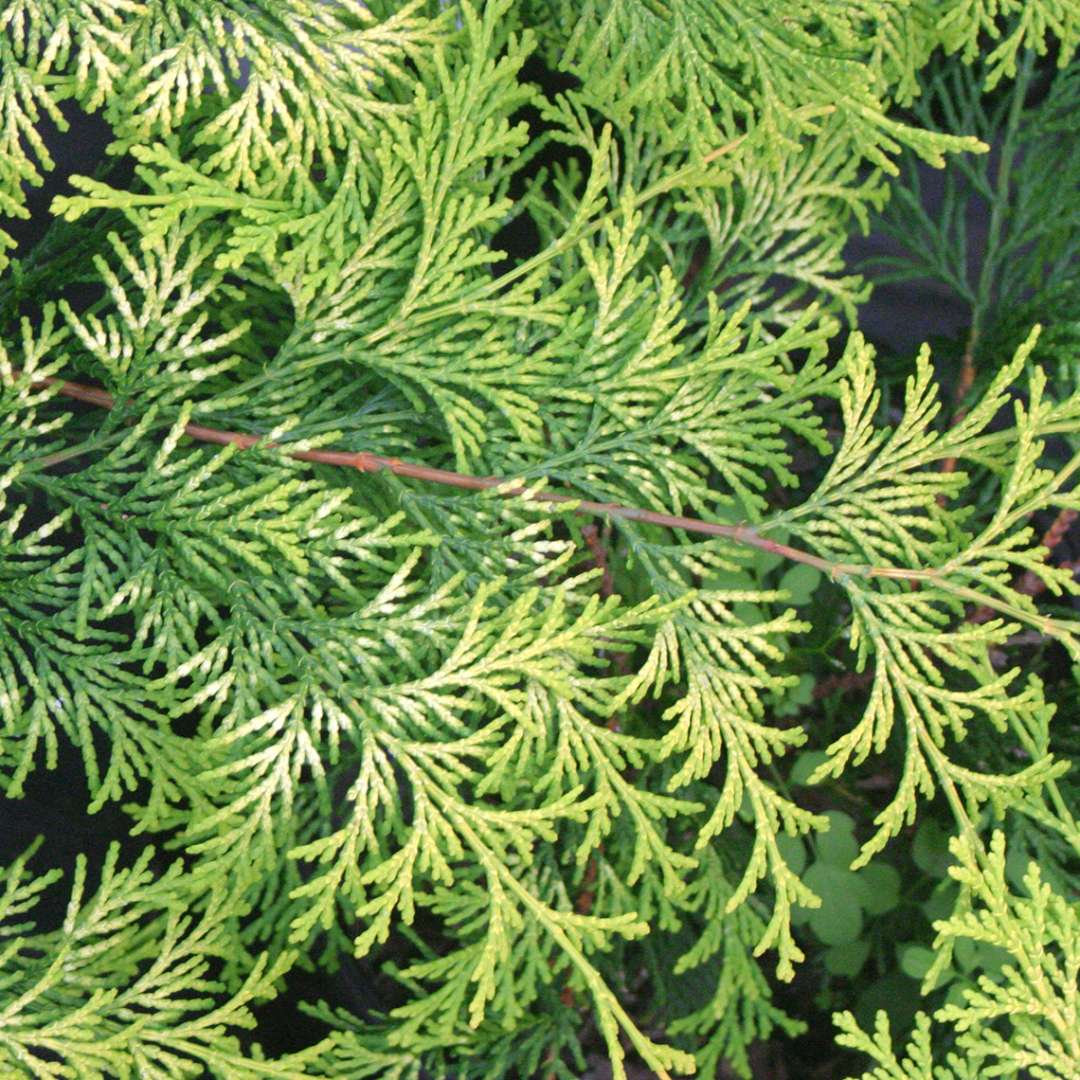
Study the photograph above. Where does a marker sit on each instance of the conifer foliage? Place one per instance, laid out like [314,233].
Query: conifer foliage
[535,776]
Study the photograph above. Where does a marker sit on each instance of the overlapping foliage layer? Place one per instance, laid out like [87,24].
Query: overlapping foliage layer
[424,728]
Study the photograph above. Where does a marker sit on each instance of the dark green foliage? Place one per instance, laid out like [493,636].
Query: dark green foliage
[549,788]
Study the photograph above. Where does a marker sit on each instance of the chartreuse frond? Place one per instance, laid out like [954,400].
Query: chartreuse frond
[421,736]
[152,69]
[126,985]
[1012,25]
[59,667]
[461,105]
[702,72]
[917,1063]
[1025,1016]
[161,314]
[910,572]
[517,768]
[357,1052]
[1040,932]
[726,663]
[775,235]
[739,1011]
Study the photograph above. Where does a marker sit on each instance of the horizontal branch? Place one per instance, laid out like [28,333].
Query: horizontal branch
[740,534]
[372,463]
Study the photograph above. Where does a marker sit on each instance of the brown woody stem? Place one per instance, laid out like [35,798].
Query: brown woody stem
[376,462]
[367,462]
[740,534]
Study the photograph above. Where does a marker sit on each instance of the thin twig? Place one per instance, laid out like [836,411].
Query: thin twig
[963,385]
[1030,583]
[371,463]
[740,534]
[595,544]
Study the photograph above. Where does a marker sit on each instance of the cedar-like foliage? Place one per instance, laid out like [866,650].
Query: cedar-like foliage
[534,770]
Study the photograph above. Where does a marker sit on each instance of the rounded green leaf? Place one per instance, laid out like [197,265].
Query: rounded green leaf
[881,888]
[931,849]
[733,580]
[839,919]
[979,957]
[800,915]
[793,852]
[916,960]
[805,764]
[839,922]
[941,901]
[803,691]
[846,960]
[965,952]
[748,614]
[838,845]
[765,561]
[800,582]
[1016,865]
